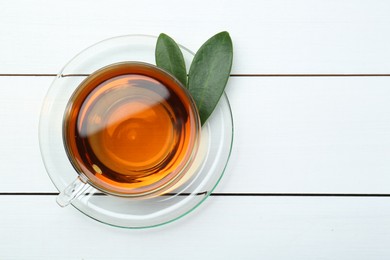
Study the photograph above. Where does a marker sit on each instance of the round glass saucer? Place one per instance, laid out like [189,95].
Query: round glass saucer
[204,175]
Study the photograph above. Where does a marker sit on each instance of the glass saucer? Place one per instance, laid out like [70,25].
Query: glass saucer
[206,171]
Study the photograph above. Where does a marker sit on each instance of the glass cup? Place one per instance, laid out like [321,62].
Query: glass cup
[130,129]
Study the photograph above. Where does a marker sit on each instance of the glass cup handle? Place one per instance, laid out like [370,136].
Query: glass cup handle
[72,191]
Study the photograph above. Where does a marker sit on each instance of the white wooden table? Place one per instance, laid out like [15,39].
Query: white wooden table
[310,167]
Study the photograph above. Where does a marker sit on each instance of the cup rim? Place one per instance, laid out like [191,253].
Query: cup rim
[184,168]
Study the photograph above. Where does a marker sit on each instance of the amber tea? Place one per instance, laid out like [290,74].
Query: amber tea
[131,129]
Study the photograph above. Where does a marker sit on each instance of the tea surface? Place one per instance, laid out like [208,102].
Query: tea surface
[130,133]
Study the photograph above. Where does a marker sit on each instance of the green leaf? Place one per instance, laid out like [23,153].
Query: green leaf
[170,58]
[209,73]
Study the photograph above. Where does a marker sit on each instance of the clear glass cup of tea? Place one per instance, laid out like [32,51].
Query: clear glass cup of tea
[129,129]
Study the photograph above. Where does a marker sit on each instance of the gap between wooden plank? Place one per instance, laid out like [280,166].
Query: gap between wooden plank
[232,75]
[230,194]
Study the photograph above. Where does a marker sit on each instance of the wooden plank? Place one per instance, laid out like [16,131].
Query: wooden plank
[294,135]
[223,228]
[279,36]
[310,135]
[20,106]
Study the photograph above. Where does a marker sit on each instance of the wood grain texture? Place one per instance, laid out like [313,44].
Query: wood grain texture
[292,135]
[252,228]
[279,36]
